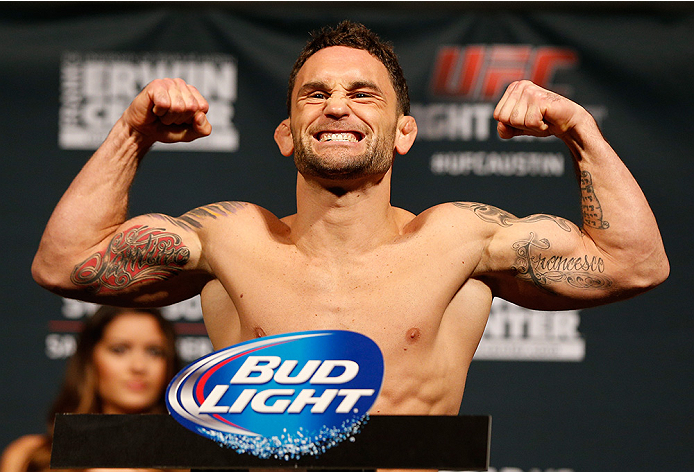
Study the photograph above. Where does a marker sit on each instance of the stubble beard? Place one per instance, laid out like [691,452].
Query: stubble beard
[341,164]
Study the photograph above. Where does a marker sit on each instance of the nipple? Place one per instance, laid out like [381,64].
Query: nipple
[413,335]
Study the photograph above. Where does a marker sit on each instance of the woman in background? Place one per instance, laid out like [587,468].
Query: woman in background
[124,360]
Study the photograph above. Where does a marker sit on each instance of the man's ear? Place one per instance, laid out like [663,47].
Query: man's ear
[405,134]
[283,138]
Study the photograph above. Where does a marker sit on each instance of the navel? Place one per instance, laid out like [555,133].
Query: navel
[259,333]
[413,335]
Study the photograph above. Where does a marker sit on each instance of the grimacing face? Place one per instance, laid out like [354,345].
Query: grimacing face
[344,122]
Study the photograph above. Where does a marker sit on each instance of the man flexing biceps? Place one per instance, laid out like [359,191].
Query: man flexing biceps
[420,286]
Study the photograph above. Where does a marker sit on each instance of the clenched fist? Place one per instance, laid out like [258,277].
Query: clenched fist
[169,111]
[527,109]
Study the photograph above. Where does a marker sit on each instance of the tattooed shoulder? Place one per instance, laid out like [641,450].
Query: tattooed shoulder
[488,213]
[193,219]
[492,214]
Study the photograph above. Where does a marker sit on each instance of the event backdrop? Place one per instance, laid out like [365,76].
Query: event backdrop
[604,389]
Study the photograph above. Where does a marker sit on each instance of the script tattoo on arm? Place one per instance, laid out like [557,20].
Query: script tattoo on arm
[492,214]
[193,219]
[138,254]
[590,206]
[536,265]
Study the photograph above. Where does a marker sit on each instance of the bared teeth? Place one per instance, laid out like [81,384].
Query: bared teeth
[350,137]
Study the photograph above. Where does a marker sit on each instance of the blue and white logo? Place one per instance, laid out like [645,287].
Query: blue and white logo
[284,396]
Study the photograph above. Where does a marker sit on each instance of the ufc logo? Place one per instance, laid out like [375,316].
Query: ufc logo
[483,72]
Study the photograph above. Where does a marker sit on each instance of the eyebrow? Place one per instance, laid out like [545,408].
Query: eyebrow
[355,85]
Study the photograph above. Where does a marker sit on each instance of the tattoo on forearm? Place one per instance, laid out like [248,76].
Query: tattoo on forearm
[492,214]
[138,254]
[192,219]
[592,211]
[543,270]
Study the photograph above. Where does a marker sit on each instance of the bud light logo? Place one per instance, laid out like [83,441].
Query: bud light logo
[284,396]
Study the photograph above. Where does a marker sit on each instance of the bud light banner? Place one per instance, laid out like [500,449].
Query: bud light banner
[284,396]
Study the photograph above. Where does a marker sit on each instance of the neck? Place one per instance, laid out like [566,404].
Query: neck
[344,216]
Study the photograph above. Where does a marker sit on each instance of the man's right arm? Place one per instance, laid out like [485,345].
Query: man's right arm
[89,249]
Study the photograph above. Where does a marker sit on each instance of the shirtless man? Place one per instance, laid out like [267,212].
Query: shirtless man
[421,286]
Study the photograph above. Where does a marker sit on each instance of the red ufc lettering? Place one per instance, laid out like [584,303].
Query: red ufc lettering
[547,62]
[506,64]
[483,72]
[457,70]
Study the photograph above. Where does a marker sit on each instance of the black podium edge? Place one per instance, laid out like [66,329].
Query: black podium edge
[159,442]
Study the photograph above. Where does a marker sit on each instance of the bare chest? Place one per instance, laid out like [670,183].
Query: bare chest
[423,312]
[397,293]
[360,295]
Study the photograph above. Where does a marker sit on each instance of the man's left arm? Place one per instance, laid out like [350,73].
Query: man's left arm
[618,252]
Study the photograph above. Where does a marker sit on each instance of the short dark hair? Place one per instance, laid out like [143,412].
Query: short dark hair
[357,36]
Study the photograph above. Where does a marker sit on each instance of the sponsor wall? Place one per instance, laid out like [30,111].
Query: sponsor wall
[603,389]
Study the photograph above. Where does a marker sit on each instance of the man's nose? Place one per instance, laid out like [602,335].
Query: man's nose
[336,106]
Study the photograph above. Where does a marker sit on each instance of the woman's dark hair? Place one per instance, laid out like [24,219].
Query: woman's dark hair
[79,391]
